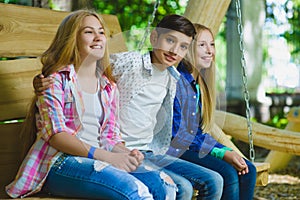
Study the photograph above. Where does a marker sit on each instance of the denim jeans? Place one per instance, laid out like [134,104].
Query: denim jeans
[236,187]
[80,177]
[207,182]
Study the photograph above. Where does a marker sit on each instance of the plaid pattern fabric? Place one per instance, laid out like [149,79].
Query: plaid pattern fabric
[60,110]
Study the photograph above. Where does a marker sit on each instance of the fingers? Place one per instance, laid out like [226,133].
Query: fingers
[137,154]
[40,83]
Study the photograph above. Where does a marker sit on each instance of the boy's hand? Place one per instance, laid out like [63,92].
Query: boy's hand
[40,84]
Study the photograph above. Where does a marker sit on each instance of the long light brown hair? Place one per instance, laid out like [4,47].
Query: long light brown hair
[63,51]
[206,80]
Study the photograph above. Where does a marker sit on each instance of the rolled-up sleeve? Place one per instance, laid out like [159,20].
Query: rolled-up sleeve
[51,109]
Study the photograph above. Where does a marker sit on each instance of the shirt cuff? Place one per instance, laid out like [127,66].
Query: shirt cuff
[219,152]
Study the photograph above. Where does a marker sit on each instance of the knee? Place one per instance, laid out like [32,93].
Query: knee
[215,184]
[170,186]
[185,189]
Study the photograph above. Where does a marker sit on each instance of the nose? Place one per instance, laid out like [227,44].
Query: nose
[98,36]
[174,49]
[209,49]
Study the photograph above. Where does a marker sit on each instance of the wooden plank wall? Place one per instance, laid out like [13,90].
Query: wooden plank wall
[25,32]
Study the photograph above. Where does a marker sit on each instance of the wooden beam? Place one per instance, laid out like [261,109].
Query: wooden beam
[28,31]
[263,135]
[207,12]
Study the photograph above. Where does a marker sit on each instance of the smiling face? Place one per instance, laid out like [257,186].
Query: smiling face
[91,39]
[205,49]
[169,48]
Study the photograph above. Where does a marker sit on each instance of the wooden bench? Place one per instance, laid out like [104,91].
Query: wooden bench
[25,32]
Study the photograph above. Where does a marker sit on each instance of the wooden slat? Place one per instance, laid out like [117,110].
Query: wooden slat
[28,31]
[10,151]
[16,86]
[264,136]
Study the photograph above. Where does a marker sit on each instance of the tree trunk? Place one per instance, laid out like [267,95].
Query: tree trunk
[207,12]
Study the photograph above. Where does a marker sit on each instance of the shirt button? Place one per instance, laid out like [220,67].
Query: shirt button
[191,131]
[193,113]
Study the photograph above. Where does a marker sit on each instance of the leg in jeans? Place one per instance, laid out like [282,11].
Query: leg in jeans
[207,182]
[154,179]
[235,187]
[86,178]
[185,188]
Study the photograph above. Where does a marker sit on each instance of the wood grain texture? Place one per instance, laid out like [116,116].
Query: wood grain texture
[28,31]
[263,135]
[209,13]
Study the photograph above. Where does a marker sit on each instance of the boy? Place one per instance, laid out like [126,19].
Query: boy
[147,85]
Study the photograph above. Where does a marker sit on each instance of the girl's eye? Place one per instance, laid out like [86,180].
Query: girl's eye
[88,31]
[101,32]
[212,44]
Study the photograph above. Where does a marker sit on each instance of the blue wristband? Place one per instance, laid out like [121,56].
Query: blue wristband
[91,152]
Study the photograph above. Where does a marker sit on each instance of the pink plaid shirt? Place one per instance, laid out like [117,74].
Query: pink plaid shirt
[60,110]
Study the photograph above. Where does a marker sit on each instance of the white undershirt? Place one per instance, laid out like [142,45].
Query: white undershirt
[138,118]
[91,119]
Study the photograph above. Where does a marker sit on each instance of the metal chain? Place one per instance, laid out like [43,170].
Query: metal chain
[150,21]
[246,92]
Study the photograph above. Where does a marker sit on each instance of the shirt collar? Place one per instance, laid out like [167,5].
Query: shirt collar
[185,73]
[104,82]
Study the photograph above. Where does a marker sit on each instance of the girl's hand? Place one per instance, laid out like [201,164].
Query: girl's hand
[137,154]
[236,161]
[123,161]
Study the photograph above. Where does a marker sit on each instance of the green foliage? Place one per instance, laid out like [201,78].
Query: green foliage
[293,35]
[136,13]
[288,12]
[278,121]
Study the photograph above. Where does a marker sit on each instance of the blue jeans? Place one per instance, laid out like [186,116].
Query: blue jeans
[80,177]
[235,187]
[207,182]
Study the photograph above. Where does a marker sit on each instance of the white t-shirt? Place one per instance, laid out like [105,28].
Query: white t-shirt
[138,118]
[91,119]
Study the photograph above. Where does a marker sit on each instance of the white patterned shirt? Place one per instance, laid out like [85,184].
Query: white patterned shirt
[134,73]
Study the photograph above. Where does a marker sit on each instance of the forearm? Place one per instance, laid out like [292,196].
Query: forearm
[69,144]
[120,148]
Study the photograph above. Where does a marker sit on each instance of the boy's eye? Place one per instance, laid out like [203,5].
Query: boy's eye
[184,47]
[170,40]
[212,44]
[101,32]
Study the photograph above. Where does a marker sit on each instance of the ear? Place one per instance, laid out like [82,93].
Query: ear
[153,37]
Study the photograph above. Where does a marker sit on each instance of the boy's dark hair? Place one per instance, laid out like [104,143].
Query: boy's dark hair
[178,23]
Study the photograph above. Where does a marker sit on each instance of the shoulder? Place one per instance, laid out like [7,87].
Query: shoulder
[65,73]
[125,57]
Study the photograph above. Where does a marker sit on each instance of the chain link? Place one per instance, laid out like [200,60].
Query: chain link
[150,21]
[245,81]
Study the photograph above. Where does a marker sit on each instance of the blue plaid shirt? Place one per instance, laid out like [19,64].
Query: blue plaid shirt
[186,131]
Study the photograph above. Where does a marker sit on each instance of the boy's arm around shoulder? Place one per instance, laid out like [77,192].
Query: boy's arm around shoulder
[124,61]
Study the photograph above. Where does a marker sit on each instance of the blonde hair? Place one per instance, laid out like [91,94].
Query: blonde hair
[206,81]
[63,51]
